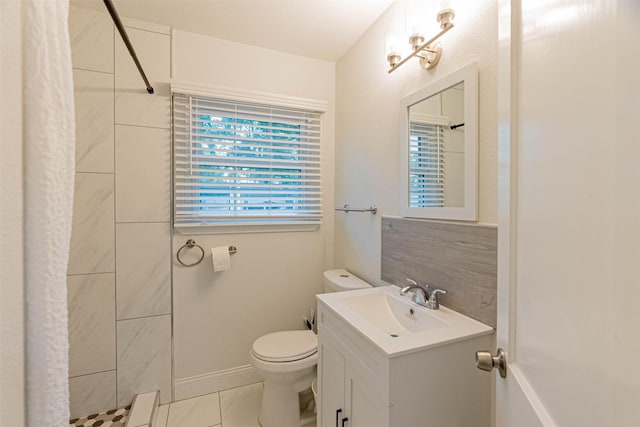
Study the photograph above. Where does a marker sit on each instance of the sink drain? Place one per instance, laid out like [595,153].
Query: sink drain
[394,335]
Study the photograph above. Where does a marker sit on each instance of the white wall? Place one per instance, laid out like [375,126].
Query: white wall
[274,276]
[368,120]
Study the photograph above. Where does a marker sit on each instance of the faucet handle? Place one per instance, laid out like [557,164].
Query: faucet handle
[433,299]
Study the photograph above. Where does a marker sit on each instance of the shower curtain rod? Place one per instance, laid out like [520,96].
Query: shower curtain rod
[123,33]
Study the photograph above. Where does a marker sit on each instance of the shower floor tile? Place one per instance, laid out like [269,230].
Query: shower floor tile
[112,418]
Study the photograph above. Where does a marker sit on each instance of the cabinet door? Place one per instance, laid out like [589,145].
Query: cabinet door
[331,383]
[365,407]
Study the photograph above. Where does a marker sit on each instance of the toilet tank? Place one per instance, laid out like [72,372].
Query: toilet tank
[342,280]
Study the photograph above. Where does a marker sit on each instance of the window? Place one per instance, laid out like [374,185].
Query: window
[426,164]
[241,163]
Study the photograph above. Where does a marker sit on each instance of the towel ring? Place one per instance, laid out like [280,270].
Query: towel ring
[190,244]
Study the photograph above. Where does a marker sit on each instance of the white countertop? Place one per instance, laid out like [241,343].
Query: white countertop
[383,317]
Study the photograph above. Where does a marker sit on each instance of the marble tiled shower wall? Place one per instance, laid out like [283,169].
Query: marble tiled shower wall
[119,276]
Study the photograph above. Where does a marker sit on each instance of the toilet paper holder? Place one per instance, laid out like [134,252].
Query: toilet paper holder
[191,244]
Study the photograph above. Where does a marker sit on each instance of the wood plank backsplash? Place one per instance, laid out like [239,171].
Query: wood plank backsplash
[460,258]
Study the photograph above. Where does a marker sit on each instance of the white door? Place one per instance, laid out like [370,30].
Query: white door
[569,214]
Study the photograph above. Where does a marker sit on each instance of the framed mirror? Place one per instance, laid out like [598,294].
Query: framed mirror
[440,148]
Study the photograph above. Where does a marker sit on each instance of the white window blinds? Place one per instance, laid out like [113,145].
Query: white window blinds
[426,164]
[243,163]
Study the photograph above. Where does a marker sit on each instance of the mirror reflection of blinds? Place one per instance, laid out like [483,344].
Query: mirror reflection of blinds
[243,163]
[426,165]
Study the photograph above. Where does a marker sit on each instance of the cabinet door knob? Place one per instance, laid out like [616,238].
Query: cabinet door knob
[338,412]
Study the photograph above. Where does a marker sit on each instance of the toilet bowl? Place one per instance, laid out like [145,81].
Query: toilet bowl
[286,361]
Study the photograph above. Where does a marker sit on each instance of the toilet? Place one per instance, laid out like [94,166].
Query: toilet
[286,361]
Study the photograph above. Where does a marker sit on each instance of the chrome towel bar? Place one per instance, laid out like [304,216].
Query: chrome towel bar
[346,208]
[192,243]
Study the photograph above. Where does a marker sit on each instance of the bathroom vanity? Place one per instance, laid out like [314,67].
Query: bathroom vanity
[384,361]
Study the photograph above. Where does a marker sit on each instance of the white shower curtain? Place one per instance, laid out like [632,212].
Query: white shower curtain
[49,163]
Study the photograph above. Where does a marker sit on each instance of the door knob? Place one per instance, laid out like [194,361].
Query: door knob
[486,362]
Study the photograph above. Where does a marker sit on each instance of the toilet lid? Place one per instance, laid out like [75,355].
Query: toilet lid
[285,346]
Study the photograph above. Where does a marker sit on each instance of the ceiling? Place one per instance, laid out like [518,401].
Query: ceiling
[321,29]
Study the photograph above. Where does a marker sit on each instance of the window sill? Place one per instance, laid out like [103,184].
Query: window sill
[244,228]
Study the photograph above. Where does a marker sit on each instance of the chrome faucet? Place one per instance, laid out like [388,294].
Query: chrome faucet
[423,295]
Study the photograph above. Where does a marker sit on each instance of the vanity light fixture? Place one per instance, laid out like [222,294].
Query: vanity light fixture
[428,52]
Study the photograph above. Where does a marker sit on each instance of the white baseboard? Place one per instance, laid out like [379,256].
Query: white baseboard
[185,388]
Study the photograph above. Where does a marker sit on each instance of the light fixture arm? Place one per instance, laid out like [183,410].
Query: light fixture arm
[424,46]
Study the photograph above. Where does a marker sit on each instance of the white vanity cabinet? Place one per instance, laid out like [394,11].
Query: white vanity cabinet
[362,386]
[348,398]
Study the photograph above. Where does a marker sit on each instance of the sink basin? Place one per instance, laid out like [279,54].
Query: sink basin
[397,325]
[392,314]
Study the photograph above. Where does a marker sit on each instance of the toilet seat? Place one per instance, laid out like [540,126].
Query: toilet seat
[285,346]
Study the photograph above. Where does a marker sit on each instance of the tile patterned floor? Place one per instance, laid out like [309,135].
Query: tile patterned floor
[238,407]
[111,418]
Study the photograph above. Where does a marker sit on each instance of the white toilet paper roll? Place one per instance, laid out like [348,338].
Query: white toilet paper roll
[221,259]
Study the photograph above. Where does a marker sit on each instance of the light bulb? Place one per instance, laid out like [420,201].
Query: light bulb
[392,45]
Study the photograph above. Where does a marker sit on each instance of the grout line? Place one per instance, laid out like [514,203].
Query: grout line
[171,231]
[92,71]
[171,73]
[166,417]
[134,27]
[142,222]
[92,373]
[172,308]
[142,126]
[91,274]
[96,173]
[168,414]
[144,317]
[115,201]
[219,407]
